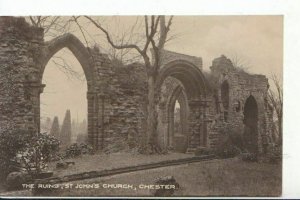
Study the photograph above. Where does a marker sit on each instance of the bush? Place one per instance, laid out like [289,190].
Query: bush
[39,149]
[227,148]
[76,150]
[11,142]
[230,143]
[49,146]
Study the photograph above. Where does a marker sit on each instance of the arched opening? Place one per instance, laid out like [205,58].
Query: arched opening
[225,98]
[251,125]
[177,119]
[189,90]
[82,61]
[63,103]
[177,132]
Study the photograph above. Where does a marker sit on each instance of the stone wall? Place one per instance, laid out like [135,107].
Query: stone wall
[117,93]
[19,47]
[242,85]
[126,107]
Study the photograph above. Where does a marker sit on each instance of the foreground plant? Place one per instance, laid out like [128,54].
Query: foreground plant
[39,149]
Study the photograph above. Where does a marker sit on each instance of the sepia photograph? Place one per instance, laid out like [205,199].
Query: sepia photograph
[141,105]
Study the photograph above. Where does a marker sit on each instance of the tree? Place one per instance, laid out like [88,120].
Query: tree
[55,128]
[276,100]
[65,134]
[156,33]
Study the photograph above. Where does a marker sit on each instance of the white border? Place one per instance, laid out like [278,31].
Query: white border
[289,8]
[142,7]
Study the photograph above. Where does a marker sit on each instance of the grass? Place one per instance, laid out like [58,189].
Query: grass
[103,161]
[230,177]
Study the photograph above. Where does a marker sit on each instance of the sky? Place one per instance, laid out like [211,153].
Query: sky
[255,40]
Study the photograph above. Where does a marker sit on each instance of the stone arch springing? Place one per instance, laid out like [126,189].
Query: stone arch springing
[251,124]
[225,98]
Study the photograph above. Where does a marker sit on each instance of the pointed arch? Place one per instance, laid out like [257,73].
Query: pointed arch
[188,74]
[71,42]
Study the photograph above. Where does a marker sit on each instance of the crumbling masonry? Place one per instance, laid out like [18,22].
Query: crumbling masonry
[226,99]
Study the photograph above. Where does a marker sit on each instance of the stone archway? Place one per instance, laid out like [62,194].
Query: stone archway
[251,125]
[84,57]
[188,74]
[179,141]
[194,86]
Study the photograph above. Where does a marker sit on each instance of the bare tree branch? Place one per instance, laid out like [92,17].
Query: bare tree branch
[164,31]
[80,28]
[276,100]
[124,46]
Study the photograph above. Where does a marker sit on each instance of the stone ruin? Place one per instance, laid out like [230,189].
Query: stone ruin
[209,102]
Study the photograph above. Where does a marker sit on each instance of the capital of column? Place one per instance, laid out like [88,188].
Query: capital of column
[36,86]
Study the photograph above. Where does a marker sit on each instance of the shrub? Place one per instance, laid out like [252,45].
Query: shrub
[49,146]
[39,149]
[11,142]
[230,143]
[76,150]
[227,148]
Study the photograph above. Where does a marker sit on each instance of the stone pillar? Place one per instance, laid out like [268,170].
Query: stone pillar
[92,118]
[98,101]
[170,129]
[101,120]
[33,91]
[197,124]
[207,120]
